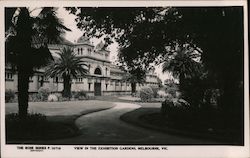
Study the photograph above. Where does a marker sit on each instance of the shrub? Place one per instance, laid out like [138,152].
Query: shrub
[146,94]
[81,95]
[52,98]
[9,95]
[172,89]
[34,97]
[43,93]
[155,90]
[172,106]
[162,94]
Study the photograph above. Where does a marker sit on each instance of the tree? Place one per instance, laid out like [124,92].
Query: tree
[144,34]
[26,45]
[67,66]
[134,77]
[185,65]
[140,32]
[219,33]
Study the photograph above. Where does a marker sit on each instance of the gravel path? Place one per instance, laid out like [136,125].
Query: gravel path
[105,127]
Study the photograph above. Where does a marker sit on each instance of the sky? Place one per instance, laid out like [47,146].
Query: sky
[75,33]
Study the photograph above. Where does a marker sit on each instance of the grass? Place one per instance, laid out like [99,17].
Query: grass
[56,121]
[37,127]
[150,117]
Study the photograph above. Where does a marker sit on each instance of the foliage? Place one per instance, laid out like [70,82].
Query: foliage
[150,34]
[36,127]
[26,42]
[140,32]
[9,95]
[171,89]
[146,94]
[183,63]
[67,66]
[161,93]
[134,76]
[219,34]
[81,95]
[155,90]
[52,98]
[43,93]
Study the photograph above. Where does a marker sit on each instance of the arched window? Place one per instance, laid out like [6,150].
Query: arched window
[98,71]
[106,71]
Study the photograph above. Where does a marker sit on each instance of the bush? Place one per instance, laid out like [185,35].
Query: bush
[146,94]
[34,97]
[43,93]
[155,91]
[172,89]
[9,95]
[81,95]
[171,106]
[162,94]
[52,98]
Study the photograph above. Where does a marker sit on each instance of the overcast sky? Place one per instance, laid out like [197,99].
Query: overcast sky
[69,21]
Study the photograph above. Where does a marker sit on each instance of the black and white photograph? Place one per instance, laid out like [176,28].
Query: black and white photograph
[146,78]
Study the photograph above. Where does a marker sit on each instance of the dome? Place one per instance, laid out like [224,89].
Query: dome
[83,39]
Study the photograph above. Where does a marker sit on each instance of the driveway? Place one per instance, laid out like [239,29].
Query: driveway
[105,127]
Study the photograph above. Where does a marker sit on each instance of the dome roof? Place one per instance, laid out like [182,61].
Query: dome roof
[83,39]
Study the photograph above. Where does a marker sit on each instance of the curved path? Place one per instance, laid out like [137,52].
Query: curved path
[105,127]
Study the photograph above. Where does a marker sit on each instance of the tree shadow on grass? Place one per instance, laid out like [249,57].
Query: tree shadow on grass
[153,119]
[40,127]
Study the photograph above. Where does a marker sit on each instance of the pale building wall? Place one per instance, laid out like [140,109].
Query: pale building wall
[110,77]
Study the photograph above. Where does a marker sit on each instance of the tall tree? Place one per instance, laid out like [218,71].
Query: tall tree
[140,32]
[67,66]
[144,34]
[134,76]
[26,45]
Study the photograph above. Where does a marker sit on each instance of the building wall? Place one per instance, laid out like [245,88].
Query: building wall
[95,58]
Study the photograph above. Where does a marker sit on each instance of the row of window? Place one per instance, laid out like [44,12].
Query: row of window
[80,51]
[8,76]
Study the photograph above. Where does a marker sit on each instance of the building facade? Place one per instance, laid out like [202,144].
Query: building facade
[103,78]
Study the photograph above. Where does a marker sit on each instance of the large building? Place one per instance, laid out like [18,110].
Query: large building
[103,78]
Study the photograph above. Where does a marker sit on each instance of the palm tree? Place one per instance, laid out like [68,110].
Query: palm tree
[134,76]
[26,40]
[184,63]
[67,66]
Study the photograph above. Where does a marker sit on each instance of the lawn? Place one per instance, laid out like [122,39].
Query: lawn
[49,120]
[149,116]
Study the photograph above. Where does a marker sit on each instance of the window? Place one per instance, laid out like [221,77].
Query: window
[79,79]
[98,71]
[89,50]
[89,86]
[31,78]
[8,76]
[106,71]
[106,87]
